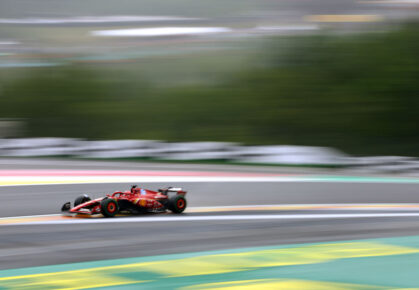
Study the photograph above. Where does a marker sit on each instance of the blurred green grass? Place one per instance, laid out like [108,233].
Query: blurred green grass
[358,93]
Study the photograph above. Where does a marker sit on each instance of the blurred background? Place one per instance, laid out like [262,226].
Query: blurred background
[330,87]
[328,74]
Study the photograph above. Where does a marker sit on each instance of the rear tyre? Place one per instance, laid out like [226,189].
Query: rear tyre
[82,199]
[177,204]
[109,207]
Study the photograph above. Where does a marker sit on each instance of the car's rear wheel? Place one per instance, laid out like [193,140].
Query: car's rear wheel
[109,207]
[82,199]
[177,204]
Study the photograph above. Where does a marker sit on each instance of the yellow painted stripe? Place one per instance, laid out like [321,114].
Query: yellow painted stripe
[57,217]
[273,284]
[39,182]
[70,280]
[30,219]
[202,265]
[343,18]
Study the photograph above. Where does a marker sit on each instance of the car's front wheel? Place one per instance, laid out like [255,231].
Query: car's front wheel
[109,207]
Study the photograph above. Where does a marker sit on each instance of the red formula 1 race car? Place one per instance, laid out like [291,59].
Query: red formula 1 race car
[135,201]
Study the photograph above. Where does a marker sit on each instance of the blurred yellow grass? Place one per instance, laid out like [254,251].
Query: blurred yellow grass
[204,265]
[268,284]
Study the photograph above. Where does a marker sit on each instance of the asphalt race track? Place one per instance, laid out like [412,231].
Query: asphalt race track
[47,244]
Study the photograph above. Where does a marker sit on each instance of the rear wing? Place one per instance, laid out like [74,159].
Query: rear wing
[177,190]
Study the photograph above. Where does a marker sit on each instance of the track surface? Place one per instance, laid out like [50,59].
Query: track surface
[22,246]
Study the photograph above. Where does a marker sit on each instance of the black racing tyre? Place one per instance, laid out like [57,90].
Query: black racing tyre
[82,199]
[177,204]
[109,207]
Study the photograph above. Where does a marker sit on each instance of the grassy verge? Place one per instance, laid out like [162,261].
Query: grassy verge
[358,93]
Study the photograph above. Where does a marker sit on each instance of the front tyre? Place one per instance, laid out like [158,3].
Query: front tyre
[82,199]
[177,204]
[109,207]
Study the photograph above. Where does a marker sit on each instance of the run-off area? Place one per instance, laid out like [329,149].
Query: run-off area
[88,240]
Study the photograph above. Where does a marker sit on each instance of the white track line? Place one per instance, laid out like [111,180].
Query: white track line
[315,206]
[365,206]
[218,218]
